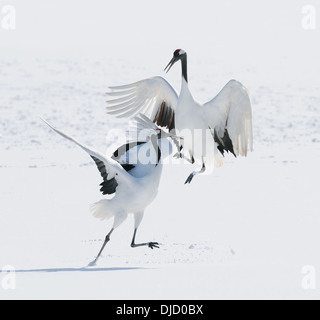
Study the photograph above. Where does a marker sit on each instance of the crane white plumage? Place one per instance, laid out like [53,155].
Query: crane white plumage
[227,117]
[132,178]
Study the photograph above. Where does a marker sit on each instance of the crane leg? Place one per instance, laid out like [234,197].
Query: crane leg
[106,240]
[151,245]
[137,220]
[118,219]
[179,155]
[193,174]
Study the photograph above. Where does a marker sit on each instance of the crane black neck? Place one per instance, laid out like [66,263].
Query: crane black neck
[184,67]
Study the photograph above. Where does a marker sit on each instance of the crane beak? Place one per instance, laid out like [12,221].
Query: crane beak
[170,64]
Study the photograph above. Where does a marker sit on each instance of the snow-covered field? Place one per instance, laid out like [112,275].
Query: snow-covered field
[245,232]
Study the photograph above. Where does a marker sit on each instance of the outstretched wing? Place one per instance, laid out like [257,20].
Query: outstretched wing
[111,171]
[153,97]
[229,115]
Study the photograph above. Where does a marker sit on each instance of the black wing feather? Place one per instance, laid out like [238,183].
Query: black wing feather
[123,150]
[224,143]
[165,116]
[107,186]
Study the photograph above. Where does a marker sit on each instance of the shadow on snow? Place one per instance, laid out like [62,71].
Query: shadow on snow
[84,269]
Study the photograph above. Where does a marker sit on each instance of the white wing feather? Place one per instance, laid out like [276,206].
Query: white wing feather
[144,123]
[113,168]
[147,96]
[231,110]
[141,129]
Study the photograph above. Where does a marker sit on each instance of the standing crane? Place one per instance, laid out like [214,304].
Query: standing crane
[133,184]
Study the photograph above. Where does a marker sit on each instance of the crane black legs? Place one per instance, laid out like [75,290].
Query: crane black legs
[180,155]
[107,239]
[118,219]
[151,245]
[195,173]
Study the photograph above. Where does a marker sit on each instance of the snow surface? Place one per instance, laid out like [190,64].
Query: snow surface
[245,232]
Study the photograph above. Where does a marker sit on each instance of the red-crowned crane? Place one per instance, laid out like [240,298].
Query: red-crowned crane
[132,174]
[222,124]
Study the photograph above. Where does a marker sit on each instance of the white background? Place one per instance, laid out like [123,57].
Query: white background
[246,231]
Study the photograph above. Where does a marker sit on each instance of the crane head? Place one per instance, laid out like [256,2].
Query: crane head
[177,55]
